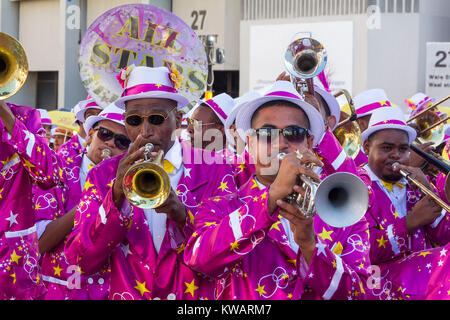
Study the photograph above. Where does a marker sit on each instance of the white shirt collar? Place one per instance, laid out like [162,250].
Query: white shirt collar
[375,178]
[175,155]
[85,163]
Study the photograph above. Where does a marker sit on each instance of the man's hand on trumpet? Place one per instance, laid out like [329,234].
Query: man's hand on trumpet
[286,183]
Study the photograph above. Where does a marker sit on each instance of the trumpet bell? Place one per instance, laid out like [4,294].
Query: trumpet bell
[341,199]
[305,58]
[349,136]
[13,66]
[436,134]
[146,185]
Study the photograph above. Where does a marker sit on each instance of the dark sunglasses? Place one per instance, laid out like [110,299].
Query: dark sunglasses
[122,142]
[294,134]
[156,119]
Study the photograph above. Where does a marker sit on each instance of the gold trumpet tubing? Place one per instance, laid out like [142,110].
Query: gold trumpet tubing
[351,105]
[434,125]
[427,109]
[424,189]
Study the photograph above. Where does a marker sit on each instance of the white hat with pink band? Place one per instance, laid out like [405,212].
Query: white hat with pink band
[82,106]
[111,113]
[368,101]
[145,82]
[45,117]
[388,118]
[222,104]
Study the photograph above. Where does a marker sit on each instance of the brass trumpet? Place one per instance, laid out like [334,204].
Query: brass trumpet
[13,66]
[347,131]
[340,200]
[146,184]
[422,188]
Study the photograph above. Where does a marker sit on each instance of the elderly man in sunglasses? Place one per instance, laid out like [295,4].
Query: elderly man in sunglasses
[258,246]
[145,246]
[55,209]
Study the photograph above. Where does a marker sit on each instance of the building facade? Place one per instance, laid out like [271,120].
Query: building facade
[370,43]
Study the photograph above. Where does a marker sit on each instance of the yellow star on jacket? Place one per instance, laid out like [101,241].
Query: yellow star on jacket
[191,287]
[325,234]
[141,287]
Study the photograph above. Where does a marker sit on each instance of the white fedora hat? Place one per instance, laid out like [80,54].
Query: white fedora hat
[388,118]
[368,101]
[238,103]
[281,90]
[111,113]
[82,106]
[145,82]
[45,117]
[418,102]
[332,104]
[222,104]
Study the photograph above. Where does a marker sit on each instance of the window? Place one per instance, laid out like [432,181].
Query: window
[47,89]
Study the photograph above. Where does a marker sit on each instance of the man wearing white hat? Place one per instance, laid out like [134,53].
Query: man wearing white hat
[404,224]
[206,126]
[145,247]
[243,165]
[365,104]
[55,209]
[76,145]
[418,102]
[267,248]
[46,122]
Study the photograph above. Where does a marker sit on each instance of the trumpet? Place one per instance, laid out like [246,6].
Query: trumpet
[340,200]
[106,153]
[422,188]
[347,131]
[146,184]
[305,58]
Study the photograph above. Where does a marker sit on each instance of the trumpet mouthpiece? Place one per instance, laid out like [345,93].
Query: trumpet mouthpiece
[106,154]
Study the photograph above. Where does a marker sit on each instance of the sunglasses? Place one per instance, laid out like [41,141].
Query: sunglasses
[197,123]
[156,119]
[122,142]
[293,134]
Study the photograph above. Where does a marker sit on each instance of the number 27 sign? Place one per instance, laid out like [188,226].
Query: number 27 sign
[437,82]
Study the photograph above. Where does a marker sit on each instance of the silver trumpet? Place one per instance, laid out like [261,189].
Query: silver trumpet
[340,200]
[106,153]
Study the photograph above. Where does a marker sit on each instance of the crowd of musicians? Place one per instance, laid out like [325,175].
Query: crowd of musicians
[226,230]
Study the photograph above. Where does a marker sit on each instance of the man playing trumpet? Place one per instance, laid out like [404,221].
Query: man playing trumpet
[145,246]
[258,246]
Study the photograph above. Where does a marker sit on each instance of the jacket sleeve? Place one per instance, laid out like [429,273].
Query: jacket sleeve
[98,227]
[32,150]
[338,269]
[227,229]
[333,156]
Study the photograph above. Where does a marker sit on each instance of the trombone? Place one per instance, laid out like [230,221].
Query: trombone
[423,188]
[431,126]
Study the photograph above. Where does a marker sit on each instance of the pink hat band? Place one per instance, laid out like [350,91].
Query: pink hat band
[140,88]
[216,108]
[46,121]
[112,116]
[283,94]
[373,106]
[398,122]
